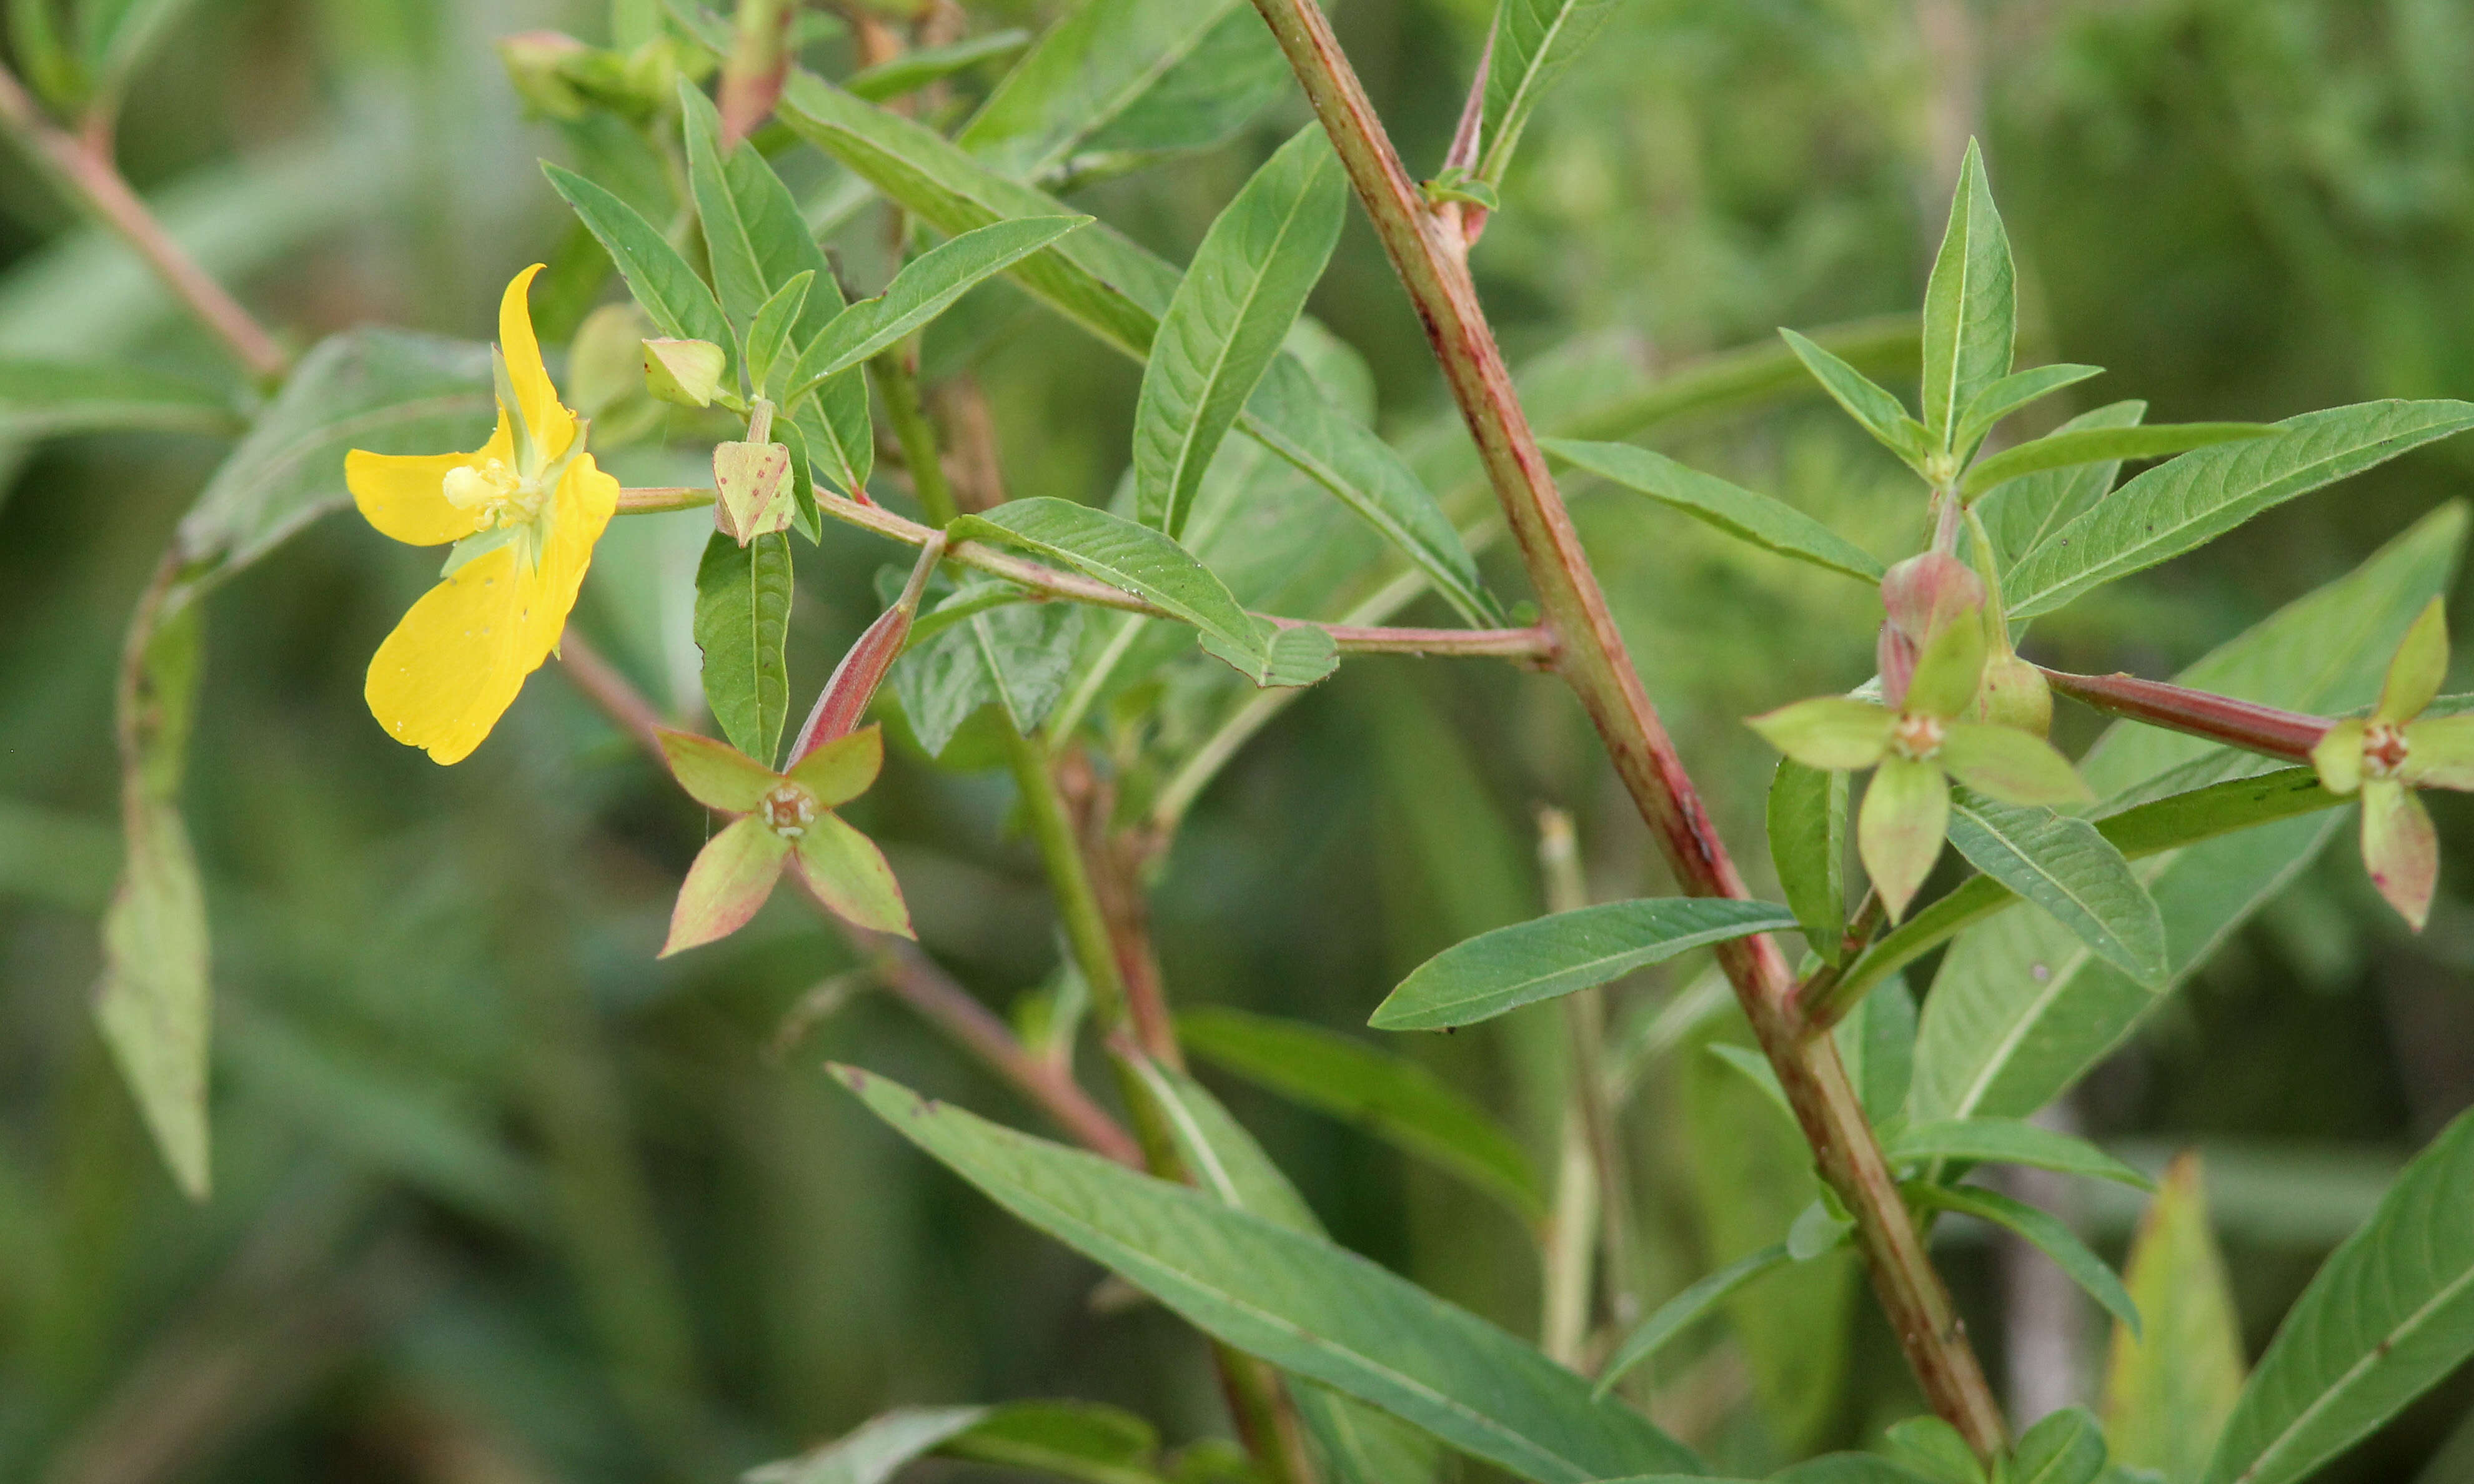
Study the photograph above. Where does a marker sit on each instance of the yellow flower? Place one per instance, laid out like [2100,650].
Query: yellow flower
[524,512]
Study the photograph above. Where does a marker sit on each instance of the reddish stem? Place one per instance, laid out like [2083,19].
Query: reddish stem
[2290,736]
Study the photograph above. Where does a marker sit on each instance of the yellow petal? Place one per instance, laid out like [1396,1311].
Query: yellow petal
[552,424]
[452,667]
[401,494]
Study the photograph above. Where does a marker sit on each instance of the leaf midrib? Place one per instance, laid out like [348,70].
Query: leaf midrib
[2032,864]
[2376,1354]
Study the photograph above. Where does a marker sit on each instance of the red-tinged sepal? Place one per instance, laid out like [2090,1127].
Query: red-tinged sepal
[752,486]
[854,681]
[842,769]
[1894,654]
[1834,734]
[732,876]
[2419,668]
[2338,756]
[849,876]
[716,774]
[1905,815]
[2011,766]
[2400,848]
[2439,753]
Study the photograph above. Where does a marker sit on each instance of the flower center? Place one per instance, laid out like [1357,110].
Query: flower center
[2383,750]
[494,494]
[1917,737]
[788,810]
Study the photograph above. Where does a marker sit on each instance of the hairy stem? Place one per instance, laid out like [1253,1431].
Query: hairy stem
[84,169]
[1591,657]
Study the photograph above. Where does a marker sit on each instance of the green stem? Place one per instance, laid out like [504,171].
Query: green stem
[1069,879]
[897,381]
[1585,1030]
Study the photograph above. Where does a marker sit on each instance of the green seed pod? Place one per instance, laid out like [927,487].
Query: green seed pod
[2014,694]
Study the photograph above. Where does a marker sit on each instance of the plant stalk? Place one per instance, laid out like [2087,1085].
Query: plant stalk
[2266,729]
[1592,661]
[1584,1020]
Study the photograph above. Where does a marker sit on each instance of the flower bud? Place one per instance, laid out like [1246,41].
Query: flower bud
[536,63]
[752,486]
[683,372]
[2014,694]
[1926,593]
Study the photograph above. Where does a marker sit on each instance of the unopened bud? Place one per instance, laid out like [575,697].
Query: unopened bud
[685,371]
[1926,593]
[536,63]
[854,681]
[2014,694]
[752,486]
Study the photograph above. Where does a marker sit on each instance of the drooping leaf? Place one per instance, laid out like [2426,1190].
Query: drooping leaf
[2044,1232]
[2008,1141]
[2388,1316]
[1808,830]
[1294,1300]
[1550,956]
[2066,446]
[1533,42]
[45,399]
[1102,59]
[1250,278]
[1771,524]
[2194,499]
[661,282]
[1677,1314]
[1396,1099]
[743,617]
[1971,306]
[924,288]
[2067,867]
[2166,1394]
[2020,514]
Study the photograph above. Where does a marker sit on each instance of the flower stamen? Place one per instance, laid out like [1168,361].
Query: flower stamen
[788,810]
[2385,749]
[1917,736]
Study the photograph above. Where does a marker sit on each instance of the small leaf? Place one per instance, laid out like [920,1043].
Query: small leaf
[1069,1440]
[742,617]
[921,290]
[1971,309]
[1678,1313]
[1808,828]
[1832,733]
[1876,411]
[846,871]
[1017,655]
[1393,1098]
[1250,278]
[2045,1232]
[875,1450]
[2194,499]
[714,775]
[1282,655]
[2067,867]
[155,1003]
[2063,1447]
[914,70]
[1878,1043]
[2070,446]
[1532,42]
[1550,956]
[1096,66]
[661,280]
[2166,1395]
[768,329]
[1934,1448]
[2008,1141]
[2010,394]
[1818,1232]
[731,877]
[1773,525]
[1296,1301]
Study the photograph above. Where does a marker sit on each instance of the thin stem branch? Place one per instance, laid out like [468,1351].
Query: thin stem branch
[84,168]
[1591,657]
[1069,879]
[912,978]
[1559,855]
[662,499]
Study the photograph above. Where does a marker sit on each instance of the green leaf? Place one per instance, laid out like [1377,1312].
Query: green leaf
[768,329]
[661,282]
[2008,1141]
[743,617]
[1876,411]
[2045,1233]
[1877,1043]
[875,1450]
[1533,41]
[1394,1098]
[1067,1440]
[2063,1447]
[2068,446]
[2067,867]
[1019,655]
[1773,525]
[1971,310]
[1808,829]
[2022,512]
[1086,72]
[1250,278]
[921,290]
[115,37]
[1144,561]
[2010,394]
[1935,1448]
[2388,1316]
[41,399]
[1756,1070]
[913,71]
[1200,99]
[2167,1395]
[1521,965]
[1294,1300]
[2199,496]
[1678,1313]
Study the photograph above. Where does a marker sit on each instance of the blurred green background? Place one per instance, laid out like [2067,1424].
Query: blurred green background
[499,1198]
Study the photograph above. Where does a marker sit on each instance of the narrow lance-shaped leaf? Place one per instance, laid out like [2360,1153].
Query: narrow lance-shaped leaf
[1296,1301]
[914,70]
[2011,392]
[1875,410]
[1533,41]
[1085,73]
[1550,956]
[1808,830]
[49,398]
[1677,1314]
[2199,496]
[2066,447]
[2019,513]
[2044,1232]
[1397,1099]
[1771,524]
[873,1451]
[1250,278]
[2167,1395]
[2009,1141]
[922,291]
[2067,867]
[742,617]
[661,282]
[1970,308]
[2388,1316]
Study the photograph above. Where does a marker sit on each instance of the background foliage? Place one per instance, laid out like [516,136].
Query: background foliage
[500,1198]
